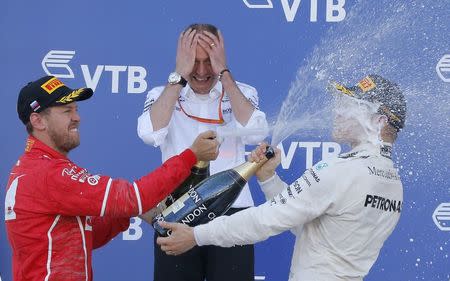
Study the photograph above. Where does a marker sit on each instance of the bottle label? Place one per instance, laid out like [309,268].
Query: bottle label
[181,202]
[194,214]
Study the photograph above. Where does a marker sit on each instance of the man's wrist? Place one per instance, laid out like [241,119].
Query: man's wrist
[223,72]
[175,78]
[262,177]
[196,234]
[175,86]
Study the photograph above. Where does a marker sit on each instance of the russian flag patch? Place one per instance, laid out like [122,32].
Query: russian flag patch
[35,105]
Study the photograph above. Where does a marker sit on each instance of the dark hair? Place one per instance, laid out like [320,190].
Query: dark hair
[204,26]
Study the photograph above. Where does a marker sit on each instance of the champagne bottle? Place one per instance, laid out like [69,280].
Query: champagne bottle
[211,198]
[199,172]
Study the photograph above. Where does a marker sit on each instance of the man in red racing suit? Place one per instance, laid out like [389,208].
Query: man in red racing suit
[57,212]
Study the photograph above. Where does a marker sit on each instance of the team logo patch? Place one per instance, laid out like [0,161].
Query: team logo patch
[51,85]
[320,166]
[93,180]
[366,84]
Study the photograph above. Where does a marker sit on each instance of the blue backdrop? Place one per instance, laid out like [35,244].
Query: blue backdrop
[124,48]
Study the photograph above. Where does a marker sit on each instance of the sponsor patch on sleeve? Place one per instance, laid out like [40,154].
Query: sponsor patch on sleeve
[80,174]
[321,166]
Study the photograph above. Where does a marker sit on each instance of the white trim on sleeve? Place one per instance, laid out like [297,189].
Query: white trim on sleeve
[138,196]
[105,199]
[50,245]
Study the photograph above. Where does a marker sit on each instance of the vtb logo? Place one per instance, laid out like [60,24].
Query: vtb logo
[441,216]
[335,11]
[56,63]
[443,68]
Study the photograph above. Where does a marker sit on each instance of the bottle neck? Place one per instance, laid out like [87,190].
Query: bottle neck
[201,164]
[201,168]
[248,169]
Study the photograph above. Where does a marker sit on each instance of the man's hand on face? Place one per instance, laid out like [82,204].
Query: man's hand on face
[187,45]
[215,48]
[268,169]
[180,240]
[206,146]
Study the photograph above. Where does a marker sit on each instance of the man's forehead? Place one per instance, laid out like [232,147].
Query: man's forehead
[347,100]
[201,54]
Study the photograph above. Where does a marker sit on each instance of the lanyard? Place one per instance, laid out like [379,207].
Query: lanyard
[207,120]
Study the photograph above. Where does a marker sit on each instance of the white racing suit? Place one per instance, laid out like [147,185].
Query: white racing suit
[341,211]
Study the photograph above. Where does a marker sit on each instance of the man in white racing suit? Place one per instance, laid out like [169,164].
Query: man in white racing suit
[341,210]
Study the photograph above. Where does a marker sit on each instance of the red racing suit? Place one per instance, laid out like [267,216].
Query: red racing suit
[57,212]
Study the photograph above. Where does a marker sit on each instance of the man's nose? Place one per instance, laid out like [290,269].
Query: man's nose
[201,69]
[76,117]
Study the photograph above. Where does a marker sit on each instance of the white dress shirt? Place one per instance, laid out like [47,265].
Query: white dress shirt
[182,130]
[341,211]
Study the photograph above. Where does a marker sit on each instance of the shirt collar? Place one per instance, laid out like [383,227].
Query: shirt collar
[34,145]
[214,94]
[384,149]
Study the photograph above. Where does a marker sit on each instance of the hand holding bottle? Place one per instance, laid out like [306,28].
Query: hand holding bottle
[151,214]
[181,239]
[268,169]
[206,146]
[210,198]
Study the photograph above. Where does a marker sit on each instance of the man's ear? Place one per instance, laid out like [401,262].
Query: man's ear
[38,121]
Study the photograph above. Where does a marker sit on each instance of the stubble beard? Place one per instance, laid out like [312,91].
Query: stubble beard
[64,142]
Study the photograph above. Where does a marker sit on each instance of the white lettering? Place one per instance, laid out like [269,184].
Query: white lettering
[91,81]
[187,219]
[338,8]
[309,151]
[194,195]
[287,159]
[330,150]
[195,213]
[115,70]
[290,11]
[211,216]
[136,75]
[134,232]
[313,15]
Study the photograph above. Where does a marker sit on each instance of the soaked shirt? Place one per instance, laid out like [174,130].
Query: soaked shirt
[341,211]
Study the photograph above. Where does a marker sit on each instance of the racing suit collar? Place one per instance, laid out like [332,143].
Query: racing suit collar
[384,149]
[34,145]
